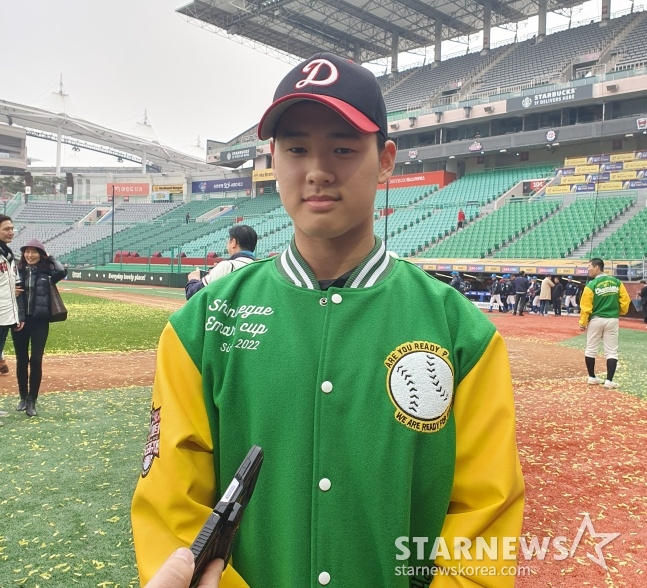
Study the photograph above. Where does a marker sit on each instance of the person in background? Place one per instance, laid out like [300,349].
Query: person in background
[456,281]
[603,300]
[643,299]
[495,293]
[557,293]
[545,295]
[240,246]
[570,295]
[521,285]
[36,270]
[461,218]
[9,288]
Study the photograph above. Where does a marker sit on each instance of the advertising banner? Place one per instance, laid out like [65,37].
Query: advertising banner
[566,180]
[566,171]
[242,154]
[587,169]
[558,189]
[130,189]
[226,185]
[583,188]
[603,177]
[442,178]
[170,188]
[263,175]
[573,161]
[617,166]
[639,165]
[635,185]
[608,186]
[624,175]
[553,97]
[623,157]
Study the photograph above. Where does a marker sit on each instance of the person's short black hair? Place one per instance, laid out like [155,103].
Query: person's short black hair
[4,217]
[245,236]
[597,262]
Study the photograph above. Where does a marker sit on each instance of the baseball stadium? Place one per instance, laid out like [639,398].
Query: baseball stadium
[526,154]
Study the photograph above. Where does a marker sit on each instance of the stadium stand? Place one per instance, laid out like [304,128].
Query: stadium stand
[542,62]
[559,235]
[486,186]
[492,232]
[37,212]
[197,208]
[632,50]
[43,232]
[422,85]
[414,229]
[628,242]
[399,197]
[138,213]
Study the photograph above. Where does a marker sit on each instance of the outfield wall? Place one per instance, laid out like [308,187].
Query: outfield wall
[170,280]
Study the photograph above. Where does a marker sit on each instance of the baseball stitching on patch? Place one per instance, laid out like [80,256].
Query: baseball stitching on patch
[422,385]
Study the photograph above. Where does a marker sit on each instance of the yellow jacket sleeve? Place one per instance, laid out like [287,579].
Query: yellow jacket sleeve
[625,300]
[176,492]
[586,306]
[487,498]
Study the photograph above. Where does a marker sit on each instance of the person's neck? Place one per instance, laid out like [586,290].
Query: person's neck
[331,258]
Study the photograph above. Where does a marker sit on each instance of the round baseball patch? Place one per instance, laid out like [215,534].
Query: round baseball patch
[420,382]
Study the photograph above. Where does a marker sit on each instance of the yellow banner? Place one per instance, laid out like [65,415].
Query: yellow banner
[558,189]
[571,161]
[606,186]
[170,188]
[573,180]
[622,157]
[623,175]
[262,175]
[587,169]
[635,165]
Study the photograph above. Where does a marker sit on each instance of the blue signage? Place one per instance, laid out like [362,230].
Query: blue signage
[221,185]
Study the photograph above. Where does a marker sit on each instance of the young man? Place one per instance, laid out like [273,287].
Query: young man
[603,300]
[521,285]
[240,246]
[382,398]
[570,295]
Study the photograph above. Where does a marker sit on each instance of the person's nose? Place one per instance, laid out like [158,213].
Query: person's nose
[320,172]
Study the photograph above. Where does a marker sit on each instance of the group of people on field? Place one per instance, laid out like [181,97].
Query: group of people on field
[518,294]
[25,310]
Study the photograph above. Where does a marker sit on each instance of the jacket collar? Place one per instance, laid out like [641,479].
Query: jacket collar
[374,268]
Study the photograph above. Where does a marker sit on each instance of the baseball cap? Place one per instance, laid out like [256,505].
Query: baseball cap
[454,273]
[349,89]
[493,276]
[569,278]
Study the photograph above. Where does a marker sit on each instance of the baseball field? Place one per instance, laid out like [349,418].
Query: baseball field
[67,476]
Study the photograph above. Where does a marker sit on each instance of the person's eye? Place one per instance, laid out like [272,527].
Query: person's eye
[344,150]
[297,150]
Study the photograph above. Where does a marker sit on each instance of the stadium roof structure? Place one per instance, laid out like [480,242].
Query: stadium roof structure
[44,124]
[362,30]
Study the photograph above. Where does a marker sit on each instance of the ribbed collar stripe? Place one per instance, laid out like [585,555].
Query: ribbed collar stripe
[377,274]
[376,255]
[372,269]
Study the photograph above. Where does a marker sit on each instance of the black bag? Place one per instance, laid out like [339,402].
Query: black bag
[58,312]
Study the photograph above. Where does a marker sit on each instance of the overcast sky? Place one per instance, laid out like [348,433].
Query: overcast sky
[122,57]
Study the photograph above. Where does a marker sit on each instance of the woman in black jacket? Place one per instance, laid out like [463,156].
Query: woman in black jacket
[35,269]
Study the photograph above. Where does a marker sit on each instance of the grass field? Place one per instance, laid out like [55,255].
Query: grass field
[67,476]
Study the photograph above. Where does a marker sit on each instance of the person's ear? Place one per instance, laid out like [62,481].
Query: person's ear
[387,162]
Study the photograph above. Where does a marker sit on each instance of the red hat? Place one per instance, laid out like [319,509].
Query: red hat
[35,244]
[349,89]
